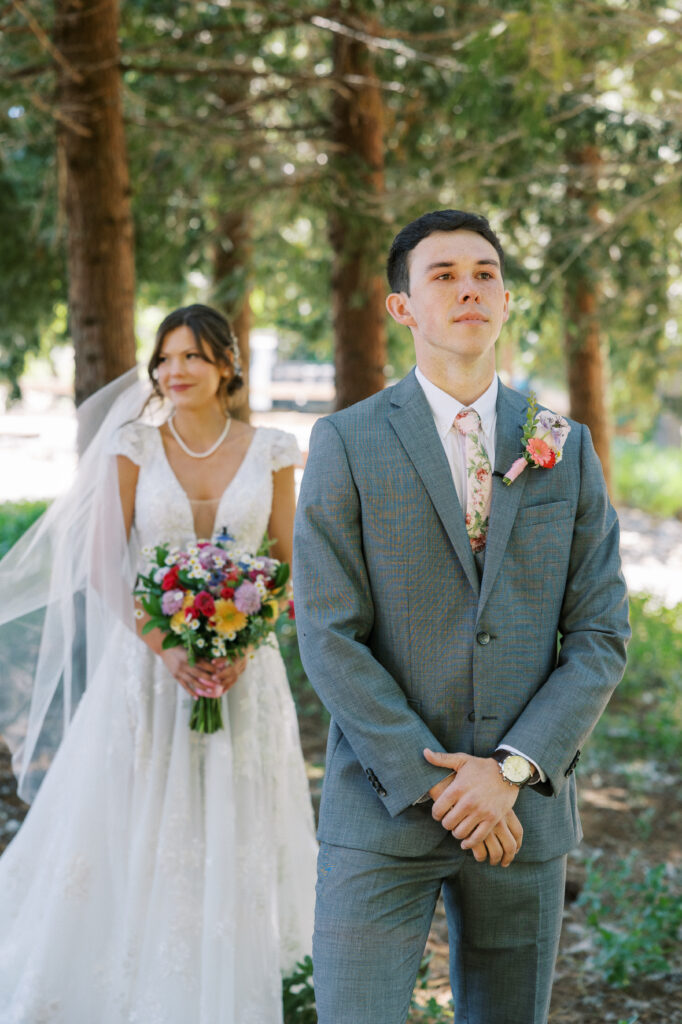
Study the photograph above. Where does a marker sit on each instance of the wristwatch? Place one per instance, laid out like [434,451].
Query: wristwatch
[514,769]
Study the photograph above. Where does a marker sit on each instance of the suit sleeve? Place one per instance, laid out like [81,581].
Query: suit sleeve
[594,632]
[334,613]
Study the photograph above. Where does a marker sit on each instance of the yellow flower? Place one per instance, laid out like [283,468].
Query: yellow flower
[178,620]
[227,617]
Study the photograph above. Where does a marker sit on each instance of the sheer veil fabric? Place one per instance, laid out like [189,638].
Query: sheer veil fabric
[68,577]
[160,876]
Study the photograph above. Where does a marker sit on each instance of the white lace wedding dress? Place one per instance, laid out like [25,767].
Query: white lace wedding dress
[162,876]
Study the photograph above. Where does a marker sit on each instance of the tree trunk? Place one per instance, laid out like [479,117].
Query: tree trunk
[355,228]
[582,310]
[586,377]
[231,288]
[96,192]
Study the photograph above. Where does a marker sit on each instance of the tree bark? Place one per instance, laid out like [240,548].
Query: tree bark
[96,192]
[586,371]
[355,228]
[586,376]
[231,286]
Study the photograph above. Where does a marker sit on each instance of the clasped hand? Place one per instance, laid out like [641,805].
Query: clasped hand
[475,804]
[204,678]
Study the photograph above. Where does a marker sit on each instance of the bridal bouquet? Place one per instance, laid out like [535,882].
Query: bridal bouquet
[213,599]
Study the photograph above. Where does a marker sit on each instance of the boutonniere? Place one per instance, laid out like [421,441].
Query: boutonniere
[544,437]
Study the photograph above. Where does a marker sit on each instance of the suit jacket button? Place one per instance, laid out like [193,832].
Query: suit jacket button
[382,791]
[483,638]
[472,716]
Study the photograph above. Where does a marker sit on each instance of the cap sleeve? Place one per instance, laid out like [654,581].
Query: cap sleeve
[284,450]
[132,440]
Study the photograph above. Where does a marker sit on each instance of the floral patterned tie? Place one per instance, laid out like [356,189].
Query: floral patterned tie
[479,478]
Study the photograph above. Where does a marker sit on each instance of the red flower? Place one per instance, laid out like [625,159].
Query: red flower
[227,593]
[291,612]
[481,473]
[170,580]
[204,603]
[233,574]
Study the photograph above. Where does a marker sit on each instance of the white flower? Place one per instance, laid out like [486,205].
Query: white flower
[169,560]
[194,624]
[201,642]
[159,574]
[553,430]
[139,614]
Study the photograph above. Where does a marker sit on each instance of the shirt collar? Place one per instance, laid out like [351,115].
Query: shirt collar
[444,407]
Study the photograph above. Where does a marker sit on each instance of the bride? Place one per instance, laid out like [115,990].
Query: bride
[161,876]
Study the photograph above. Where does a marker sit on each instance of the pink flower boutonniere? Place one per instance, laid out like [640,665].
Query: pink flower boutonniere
[544,436]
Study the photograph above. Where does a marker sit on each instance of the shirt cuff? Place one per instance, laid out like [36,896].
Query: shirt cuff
[541,777]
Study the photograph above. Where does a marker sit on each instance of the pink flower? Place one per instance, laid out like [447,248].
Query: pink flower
[246,598]
[171,602]
[541,453]
[481,473]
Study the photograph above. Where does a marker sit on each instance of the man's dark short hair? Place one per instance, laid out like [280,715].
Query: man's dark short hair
[397,266]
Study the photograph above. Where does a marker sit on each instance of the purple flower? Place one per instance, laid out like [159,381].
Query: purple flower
[246,598]
[171,602]
[208,555]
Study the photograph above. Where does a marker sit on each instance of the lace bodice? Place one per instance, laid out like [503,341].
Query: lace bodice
[163,511]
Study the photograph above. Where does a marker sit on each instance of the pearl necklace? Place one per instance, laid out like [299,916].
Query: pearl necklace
[209,451]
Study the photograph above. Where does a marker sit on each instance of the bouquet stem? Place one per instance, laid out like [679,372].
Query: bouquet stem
[207,715]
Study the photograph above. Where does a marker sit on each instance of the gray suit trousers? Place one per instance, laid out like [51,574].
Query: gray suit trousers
[372,920]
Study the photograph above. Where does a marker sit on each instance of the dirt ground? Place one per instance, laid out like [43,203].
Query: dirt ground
[614,821]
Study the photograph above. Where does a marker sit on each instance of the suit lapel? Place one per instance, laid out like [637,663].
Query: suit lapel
[411,418]
[511,416]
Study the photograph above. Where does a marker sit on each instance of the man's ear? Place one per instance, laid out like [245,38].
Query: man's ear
[398,305]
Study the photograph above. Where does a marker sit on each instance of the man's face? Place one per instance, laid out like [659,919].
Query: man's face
[457,302]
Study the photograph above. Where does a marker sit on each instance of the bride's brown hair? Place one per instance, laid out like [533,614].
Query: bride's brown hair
[211,331]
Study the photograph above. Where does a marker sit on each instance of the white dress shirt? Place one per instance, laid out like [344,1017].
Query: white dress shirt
[444,409]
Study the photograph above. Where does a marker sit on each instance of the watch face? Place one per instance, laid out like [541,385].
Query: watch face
[515,768]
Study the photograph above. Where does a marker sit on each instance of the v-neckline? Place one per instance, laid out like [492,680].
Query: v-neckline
[188,500]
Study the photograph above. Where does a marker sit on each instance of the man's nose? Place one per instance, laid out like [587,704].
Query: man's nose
[469,291]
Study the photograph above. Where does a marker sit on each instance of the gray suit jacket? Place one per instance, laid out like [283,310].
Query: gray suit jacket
[407,650]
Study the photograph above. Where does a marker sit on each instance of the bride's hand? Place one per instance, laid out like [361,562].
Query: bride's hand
[226,673]
[199,680]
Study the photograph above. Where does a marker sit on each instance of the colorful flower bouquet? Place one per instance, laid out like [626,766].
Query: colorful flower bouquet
[216,601]
[544,436]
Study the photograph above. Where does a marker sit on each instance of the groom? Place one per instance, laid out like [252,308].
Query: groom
[465,637]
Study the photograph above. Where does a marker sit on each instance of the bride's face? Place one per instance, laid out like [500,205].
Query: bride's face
[185,373]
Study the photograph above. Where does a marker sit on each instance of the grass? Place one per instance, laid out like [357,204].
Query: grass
[635,917]
[648,477]
[643,721]
[15,519]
